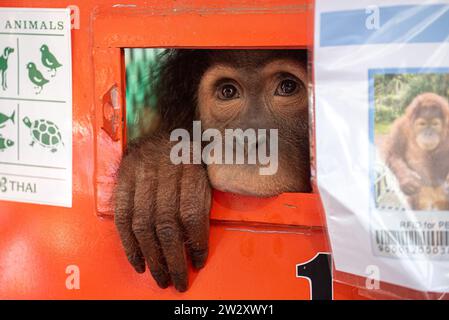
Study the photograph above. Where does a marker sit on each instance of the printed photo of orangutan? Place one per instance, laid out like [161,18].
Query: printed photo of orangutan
[414,150]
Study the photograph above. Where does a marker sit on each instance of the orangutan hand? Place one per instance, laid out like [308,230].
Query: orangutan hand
[160,207]
[410,183]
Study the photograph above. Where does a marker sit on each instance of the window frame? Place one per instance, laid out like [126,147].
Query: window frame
[268,25]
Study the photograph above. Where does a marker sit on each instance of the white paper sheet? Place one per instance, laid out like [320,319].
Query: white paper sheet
[356,44]
[35,106]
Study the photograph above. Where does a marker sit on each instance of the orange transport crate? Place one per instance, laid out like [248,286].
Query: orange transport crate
[255,244]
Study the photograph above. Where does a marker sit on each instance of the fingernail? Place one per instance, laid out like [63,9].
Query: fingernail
[198,258]
[181,287]
[180,281]
[140,268]
[163,283]
[162,279]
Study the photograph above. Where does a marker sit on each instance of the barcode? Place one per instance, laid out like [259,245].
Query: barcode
[412,238]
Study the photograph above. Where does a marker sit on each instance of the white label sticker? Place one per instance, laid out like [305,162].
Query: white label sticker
[35,106]
[381,88]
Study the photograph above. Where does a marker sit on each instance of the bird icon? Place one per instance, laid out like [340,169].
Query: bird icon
[49,60]
[36,77]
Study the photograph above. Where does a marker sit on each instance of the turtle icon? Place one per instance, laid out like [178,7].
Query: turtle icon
[44,132]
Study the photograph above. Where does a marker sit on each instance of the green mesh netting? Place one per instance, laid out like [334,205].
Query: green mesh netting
[141,76]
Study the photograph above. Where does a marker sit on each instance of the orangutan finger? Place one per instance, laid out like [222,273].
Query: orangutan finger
[124,204]
[143,227]
[167,226]
[195,200]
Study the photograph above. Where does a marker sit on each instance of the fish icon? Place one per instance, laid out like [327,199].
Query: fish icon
[4,118]
[5,143]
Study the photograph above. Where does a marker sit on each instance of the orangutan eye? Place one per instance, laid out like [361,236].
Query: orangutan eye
[436,123]
[421,123]
[287,87]
[228,92]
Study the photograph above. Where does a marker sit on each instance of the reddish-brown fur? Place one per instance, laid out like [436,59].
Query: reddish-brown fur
[416,169]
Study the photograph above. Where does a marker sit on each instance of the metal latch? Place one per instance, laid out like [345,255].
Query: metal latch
[112,113]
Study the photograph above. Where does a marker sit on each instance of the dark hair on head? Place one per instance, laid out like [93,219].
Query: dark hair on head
[179,77]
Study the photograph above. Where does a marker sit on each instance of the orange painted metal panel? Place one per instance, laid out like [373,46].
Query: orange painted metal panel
[275,25]
[286,209]
[245,261]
